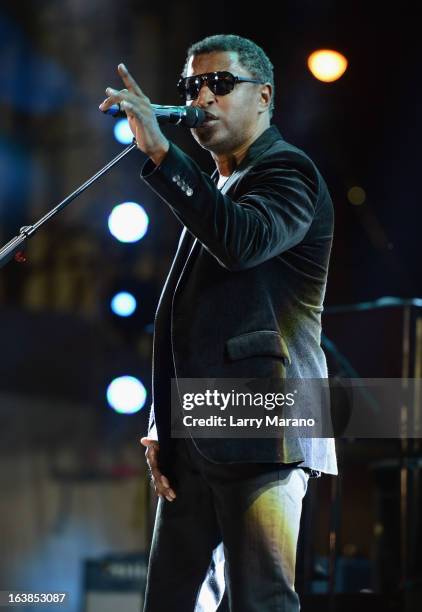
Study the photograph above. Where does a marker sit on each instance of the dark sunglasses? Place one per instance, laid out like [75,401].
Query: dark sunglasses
[220,83]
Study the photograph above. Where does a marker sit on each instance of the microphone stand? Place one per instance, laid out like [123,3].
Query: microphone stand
[14,248]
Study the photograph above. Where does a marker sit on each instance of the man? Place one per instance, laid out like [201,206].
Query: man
[243,299]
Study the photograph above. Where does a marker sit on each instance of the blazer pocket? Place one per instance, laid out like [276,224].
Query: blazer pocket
[262,343]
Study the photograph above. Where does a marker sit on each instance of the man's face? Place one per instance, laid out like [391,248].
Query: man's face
[236,114]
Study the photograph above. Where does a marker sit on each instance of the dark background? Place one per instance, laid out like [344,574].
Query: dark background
[60,345]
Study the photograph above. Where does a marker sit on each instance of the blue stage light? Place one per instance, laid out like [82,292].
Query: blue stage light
[128,222]
[126,395]
[123,304]
[122,131]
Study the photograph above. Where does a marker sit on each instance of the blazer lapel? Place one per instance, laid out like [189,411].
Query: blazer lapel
[185,246]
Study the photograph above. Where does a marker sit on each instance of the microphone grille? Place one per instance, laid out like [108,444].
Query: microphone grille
[194,117]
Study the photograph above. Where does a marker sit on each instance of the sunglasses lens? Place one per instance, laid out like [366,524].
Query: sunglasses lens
[188,88]
[182,88]
[193,87]
[220,83]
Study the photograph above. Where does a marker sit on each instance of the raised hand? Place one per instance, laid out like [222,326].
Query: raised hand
[141,117]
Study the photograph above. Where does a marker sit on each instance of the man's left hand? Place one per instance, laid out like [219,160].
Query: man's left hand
[140,114]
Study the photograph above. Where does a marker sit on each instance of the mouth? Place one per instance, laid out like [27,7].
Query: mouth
[209,117]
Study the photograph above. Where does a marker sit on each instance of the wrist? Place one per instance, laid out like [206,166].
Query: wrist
[159,154]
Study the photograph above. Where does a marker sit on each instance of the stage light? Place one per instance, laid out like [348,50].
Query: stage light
[356,195]
[122,131]
[128,222]
[129,305]
[123,304]
[126,395]
[327,65]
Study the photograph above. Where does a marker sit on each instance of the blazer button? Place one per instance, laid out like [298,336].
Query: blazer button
[176,178]
[189,191]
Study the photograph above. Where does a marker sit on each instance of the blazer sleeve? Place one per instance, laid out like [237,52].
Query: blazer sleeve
[273,214]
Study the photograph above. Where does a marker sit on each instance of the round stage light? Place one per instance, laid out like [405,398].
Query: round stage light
[122,131]
[126,395]
[356,195]
[123,304]
[128,222]
[327,65]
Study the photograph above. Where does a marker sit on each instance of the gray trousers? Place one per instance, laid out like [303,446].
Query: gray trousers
[231,526]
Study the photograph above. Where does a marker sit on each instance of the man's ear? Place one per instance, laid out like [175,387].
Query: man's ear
[266,93]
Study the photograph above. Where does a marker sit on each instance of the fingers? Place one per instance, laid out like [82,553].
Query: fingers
[128,80]
[123,97]
[161,483]
[141,116]
[162,486]
[129,97]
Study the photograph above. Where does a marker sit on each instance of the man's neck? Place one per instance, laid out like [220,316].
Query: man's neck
[228,162]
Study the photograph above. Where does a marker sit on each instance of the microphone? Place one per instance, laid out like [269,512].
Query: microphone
[188,116]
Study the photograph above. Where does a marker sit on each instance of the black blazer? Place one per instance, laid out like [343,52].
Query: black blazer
[245,291]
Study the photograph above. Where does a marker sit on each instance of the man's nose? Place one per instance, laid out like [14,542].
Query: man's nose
[205,96]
